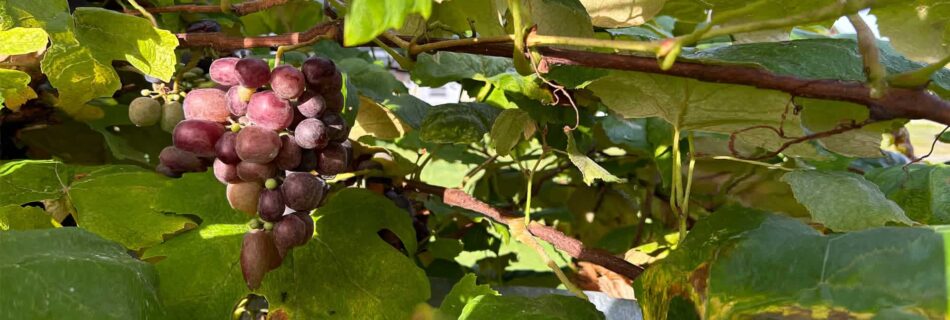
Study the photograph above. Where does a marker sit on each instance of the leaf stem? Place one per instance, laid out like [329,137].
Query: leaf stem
[403,61]
[870,56]
[144,12]
[919,77]
[535,40]
[689,186]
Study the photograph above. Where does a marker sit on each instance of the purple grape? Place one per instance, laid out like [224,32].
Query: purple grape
[223,72]
[224,149]
[168,172]
[316,69]
[269,111]
[206,104]
[289,232]
[243,196]
[298,117]
[334,102]
[337,129]
[311,134]
[334,159]
[179,160]
[226,173]
[308,222]
[308,161]
[311,104]
[257,172]
[252,72]
[331,84]
[197,136]
[289,155]
[236,105]
[257,144]
[302,191]
[271,205]
[287,82]
[259,255]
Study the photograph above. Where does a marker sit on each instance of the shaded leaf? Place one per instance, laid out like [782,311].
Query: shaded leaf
[843,201]
[561,18]
[370,79]
[15,89]
[589,169]
[14,217]
[508,129]
[457,123]
[463,292]
[408,108]
[921,190]
[918,29]
[547,307]
[437,69]
[621,13]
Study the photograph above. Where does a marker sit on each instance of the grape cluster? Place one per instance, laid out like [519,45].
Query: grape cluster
[270,145]
[147,111]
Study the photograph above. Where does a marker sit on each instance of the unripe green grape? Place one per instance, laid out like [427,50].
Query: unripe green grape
[270,184]
[172,114]
[189,75]
[145,111]
[197,71]
[255,224]
[268,225]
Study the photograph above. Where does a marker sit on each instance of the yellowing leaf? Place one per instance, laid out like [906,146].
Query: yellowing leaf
[14,88]
[377,121]
[22,40]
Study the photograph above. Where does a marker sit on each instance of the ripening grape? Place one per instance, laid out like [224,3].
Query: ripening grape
[334,159]
[289,232]
[179,160]
[257,172]
[308,223]
[270,207]
[145,111]
[269,111]
[172,114]
[226,173]
[252,72]
[257,144]
[334,101]
[243,196]
[337,129]
[311,134]
[224,149]
[298,117]
[223,72]
[236,105]
[308,161]
[258,256]
[206,104]
[302,191]
[197,136]
[288,157]
[331,84]
[311,104]
[316,69]
[287,82]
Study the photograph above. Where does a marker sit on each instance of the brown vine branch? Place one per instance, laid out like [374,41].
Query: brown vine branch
[238,9]
[571,246]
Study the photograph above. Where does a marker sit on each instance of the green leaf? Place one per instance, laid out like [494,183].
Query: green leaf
[14,217]
[740,263]
[367,19]
[588,168]
[330,276]
[547,307]
[435,70]
[377,121]
[691,11]
[457,123]
[293,16]
[456,14]
[921,190]
[370,79]
[408,108]
[621,13]
[15,89]
[69,273]
[918,29]
[22,40]
[708,107]
[823,115]
[629,133]
[843,201]
[463,292]
[561,18]
[113,36]
[200,271]
[508,129]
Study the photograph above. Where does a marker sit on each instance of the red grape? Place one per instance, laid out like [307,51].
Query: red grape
[243,196]
[289,232]
[302,191]
[269,111]
[316,69]
[334,159]
[270,207]
[257,144]
[224,149]
[308,222]
[287,82]
[311,134]
[206,104]
[197,136]
[332,83]
[226,173]
[179,160]
[236,105]
[252,72]
[334,102]
[257,172]
[259,254]
[222,71]
[289,155]
[311,104]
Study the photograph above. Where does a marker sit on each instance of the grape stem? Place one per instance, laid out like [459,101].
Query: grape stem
[279,55]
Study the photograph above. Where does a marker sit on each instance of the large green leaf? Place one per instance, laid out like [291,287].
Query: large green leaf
[919,29]
[200,271]
[823,115]
[508,129]
[370,79]
[461,17]
[621,13]
[695,11]
[458,123]
[740,263]
[548,307]
[437,69]
[330,275]
[69,273]
[843,201]
[463,292]
[560,18]
[921,190]
[22,40]
[293,16]
[114,36]
[14,217]
[694,105]
[14,88]
[367,19]
[408,108]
